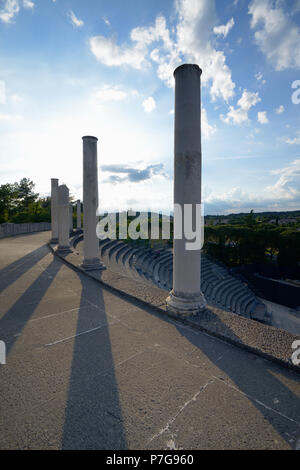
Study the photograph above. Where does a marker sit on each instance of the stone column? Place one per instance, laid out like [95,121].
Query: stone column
[71,217]
[54,210]
[63,219]
[186,297]
[78,206]
[90,204]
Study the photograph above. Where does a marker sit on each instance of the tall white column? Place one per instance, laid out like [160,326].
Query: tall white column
[186,297]
[54,210]
[71,217]
[63,219]
[78,206]
[90,204]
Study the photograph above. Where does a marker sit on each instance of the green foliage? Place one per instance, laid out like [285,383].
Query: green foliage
[258,243]
[20,204]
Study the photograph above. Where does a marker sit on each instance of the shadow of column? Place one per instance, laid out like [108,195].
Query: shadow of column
[15,270]
[255,378]
[15,319]
[93,416]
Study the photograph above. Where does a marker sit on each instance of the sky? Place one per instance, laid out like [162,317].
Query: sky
[70,68]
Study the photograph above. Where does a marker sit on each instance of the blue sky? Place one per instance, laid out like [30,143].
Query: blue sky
[69,68]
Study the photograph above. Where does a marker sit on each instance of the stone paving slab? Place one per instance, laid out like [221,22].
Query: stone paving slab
[115,373]
[267,341]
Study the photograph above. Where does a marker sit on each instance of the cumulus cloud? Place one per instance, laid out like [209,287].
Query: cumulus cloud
[207,129]
[224,29]
[189,42]
[280,109]
[288,184]
[149,104]
[109,53]
[262,117]
[28,4]
[295,141]
[11,7]
[133,175]
[9,10]
[276,34]
[259,77]
[239,115]
[113,93]
[284,194]
[74,20]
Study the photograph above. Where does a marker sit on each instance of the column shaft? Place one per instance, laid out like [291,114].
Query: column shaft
[54,210]
[78,206]
[90,204]
[63,219]
[186,297]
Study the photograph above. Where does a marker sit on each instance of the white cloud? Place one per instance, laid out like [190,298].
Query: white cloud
[239,115]
[262,117]
[284,194]
[276,34]
[74,20]
[288,184]
[259,77]
[207,129]
[10,9]
[109,53]
[171,112]
[196,21]
[295,141]
[224,29]
[28,4]
[280,110]
[2,92]
[149,104]
[10,117]
[113,93]
[106,21]
[190,43]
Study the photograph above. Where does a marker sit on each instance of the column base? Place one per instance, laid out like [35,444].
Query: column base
[64,249]
[185,305]
[92,264]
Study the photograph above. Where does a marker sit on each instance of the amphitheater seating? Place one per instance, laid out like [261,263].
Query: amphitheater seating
[152,266]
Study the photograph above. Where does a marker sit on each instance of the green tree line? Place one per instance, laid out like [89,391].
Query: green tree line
[253,243]
[20,204]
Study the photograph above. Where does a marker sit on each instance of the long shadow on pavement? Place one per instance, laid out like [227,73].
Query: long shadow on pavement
[255,378]
[13,271]
[93,417]
[15,319]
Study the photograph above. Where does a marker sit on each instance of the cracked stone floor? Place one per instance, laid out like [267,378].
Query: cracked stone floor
[87,369]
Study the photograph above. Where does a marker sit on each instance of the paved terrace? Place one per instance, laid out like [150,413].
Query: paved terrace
[88,369]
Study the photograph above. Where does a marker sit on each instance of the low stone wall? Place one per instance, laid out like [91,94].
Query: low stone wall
[9,230]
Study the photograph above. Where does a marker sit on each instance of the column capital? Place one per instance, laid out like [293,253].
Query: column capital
[187,67]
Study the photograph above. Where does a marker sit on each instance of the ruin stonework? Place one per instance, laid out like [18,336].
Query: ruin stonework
[90,204]
[186,297]
[63,219]
[78,211]
[54,210]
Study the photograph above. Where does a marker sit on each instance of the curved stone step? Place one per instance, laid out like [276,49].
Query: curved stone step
[211,285]
[221,296]
[236,300]
[126,255]
[225,286]
[227,300]
[119,252]
[114,248]
[243,302]
[218,288]
[107,246]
